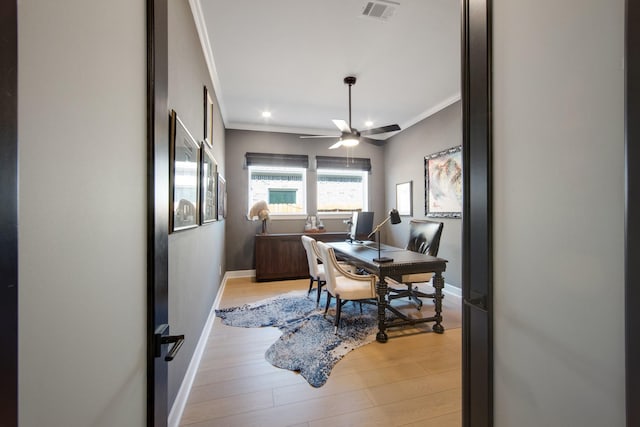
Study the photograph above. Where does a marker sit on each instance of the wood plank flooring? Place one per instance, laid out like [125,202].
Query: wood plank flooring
[412,380]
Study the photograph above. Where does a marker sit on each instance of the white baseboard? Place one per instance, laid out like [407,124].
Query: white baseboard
[185,388]
[240,273]
[452,290]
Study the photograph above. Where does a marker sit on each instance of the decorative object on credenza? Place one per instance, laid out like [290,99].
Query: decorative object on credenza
[184,177]
[260,211]
[209,187]
[394,216]
[208,118]
[313,224]
[404,198]
[443,183]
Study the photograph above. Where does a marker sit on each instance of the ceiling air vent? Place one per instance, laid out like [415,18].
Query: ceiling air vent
[380,10]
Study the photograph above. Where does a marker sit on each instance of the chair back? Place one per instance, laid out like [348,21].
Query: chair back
[312,259]
[328,257]
[424,236]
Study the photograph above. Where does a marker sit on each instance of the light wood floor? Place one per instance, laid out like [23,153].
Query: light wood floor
[412,380]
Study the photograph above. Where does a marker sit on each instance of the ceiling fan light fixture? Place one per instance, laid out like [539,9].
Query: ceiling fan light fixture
[350,141]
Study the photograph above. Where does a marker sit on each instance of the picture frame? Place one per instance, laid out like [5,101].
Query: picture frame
[404,198]
[443,183]
[208,118]
[184,177]
[209,186]
[222,198]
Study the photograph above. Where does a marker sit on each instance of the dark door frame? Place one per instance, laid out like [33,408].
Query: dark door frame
[477,218]
[477,227]
[157,209]
[632,211]
[9,213]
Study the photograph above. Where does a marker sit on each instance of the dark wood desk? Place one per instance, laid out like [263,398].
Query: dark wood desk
[404,262]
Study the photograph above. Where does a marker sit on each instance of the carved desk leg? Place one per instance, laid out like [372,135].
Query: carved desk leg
[438,284]
[381,289]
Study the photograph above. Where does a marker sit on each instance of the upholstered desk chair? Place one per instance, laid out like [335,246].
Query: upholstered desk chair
[316,271]
[344,285]
[424,237]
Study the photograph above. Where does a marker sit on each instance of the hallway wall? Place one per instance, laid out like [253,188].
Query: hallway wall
[196,256]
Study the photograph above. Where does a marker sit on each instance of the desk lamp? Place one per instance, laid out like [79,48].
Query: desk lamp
[394,216]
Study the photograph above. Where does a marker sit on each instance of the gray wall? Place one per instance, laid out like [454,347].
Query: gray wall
[240,231]
[558,213]
[82,203]
[196,256]
[404,161]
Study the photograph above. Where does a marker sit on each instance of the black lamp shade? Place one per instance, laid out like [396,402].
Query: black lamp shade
[395,216]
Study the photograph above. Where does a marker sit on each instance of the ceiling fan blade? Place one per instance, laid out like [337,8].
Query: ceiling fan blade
[382,129]
[336,145]
[342,125]
[377,142]
[319,136]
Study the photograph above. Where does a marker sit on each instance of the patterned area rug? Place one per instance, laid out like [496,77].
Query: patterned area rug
[307,344]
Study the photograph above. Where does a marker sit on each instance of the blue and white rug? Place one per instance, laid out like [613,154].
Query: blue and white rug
[308,344]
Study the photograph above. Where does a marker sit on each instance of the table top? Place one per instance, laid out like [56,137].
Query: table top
[362,254]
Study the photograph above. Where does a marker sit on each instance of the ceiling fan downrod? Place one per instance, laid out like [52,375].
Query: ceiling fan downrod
[350,80]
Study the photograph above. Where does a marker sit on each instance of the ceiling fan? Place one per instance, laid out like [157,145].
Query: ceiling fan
[351,136]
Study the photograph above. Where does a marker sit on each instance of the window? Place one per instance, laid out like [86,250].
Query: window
[281,181]
[283,188]
[342,184]
[342,190]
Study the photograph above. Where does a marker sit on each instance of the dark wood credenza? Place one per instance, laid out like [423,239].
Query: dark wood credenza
[282,256]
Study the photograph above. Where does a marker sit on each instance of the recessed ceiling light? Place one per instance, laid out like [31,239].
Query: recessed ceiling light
[266,114]
[368,123]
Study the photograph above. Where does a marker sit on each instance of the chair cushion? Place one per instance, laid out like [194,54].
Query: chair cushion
[416,278]
[351,289]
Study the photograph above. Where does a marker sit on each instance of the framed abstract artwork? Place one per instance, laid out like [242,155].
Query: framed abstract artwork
[184,163]
[209,186]
[443,183]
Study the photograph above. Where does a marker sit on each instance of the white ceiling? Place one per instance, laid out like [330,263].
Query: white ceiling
[290,57]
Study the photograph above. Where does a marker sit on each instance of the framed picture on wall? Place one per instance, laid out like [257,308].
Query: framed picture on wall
[443,183]
[208,118]
[404,198]
[222,197]
[209,186]
[184,176]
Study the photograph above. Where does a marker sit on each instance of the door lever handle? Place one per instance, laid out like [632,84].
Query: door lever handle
[160,340]
[177,341]
[479,302]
